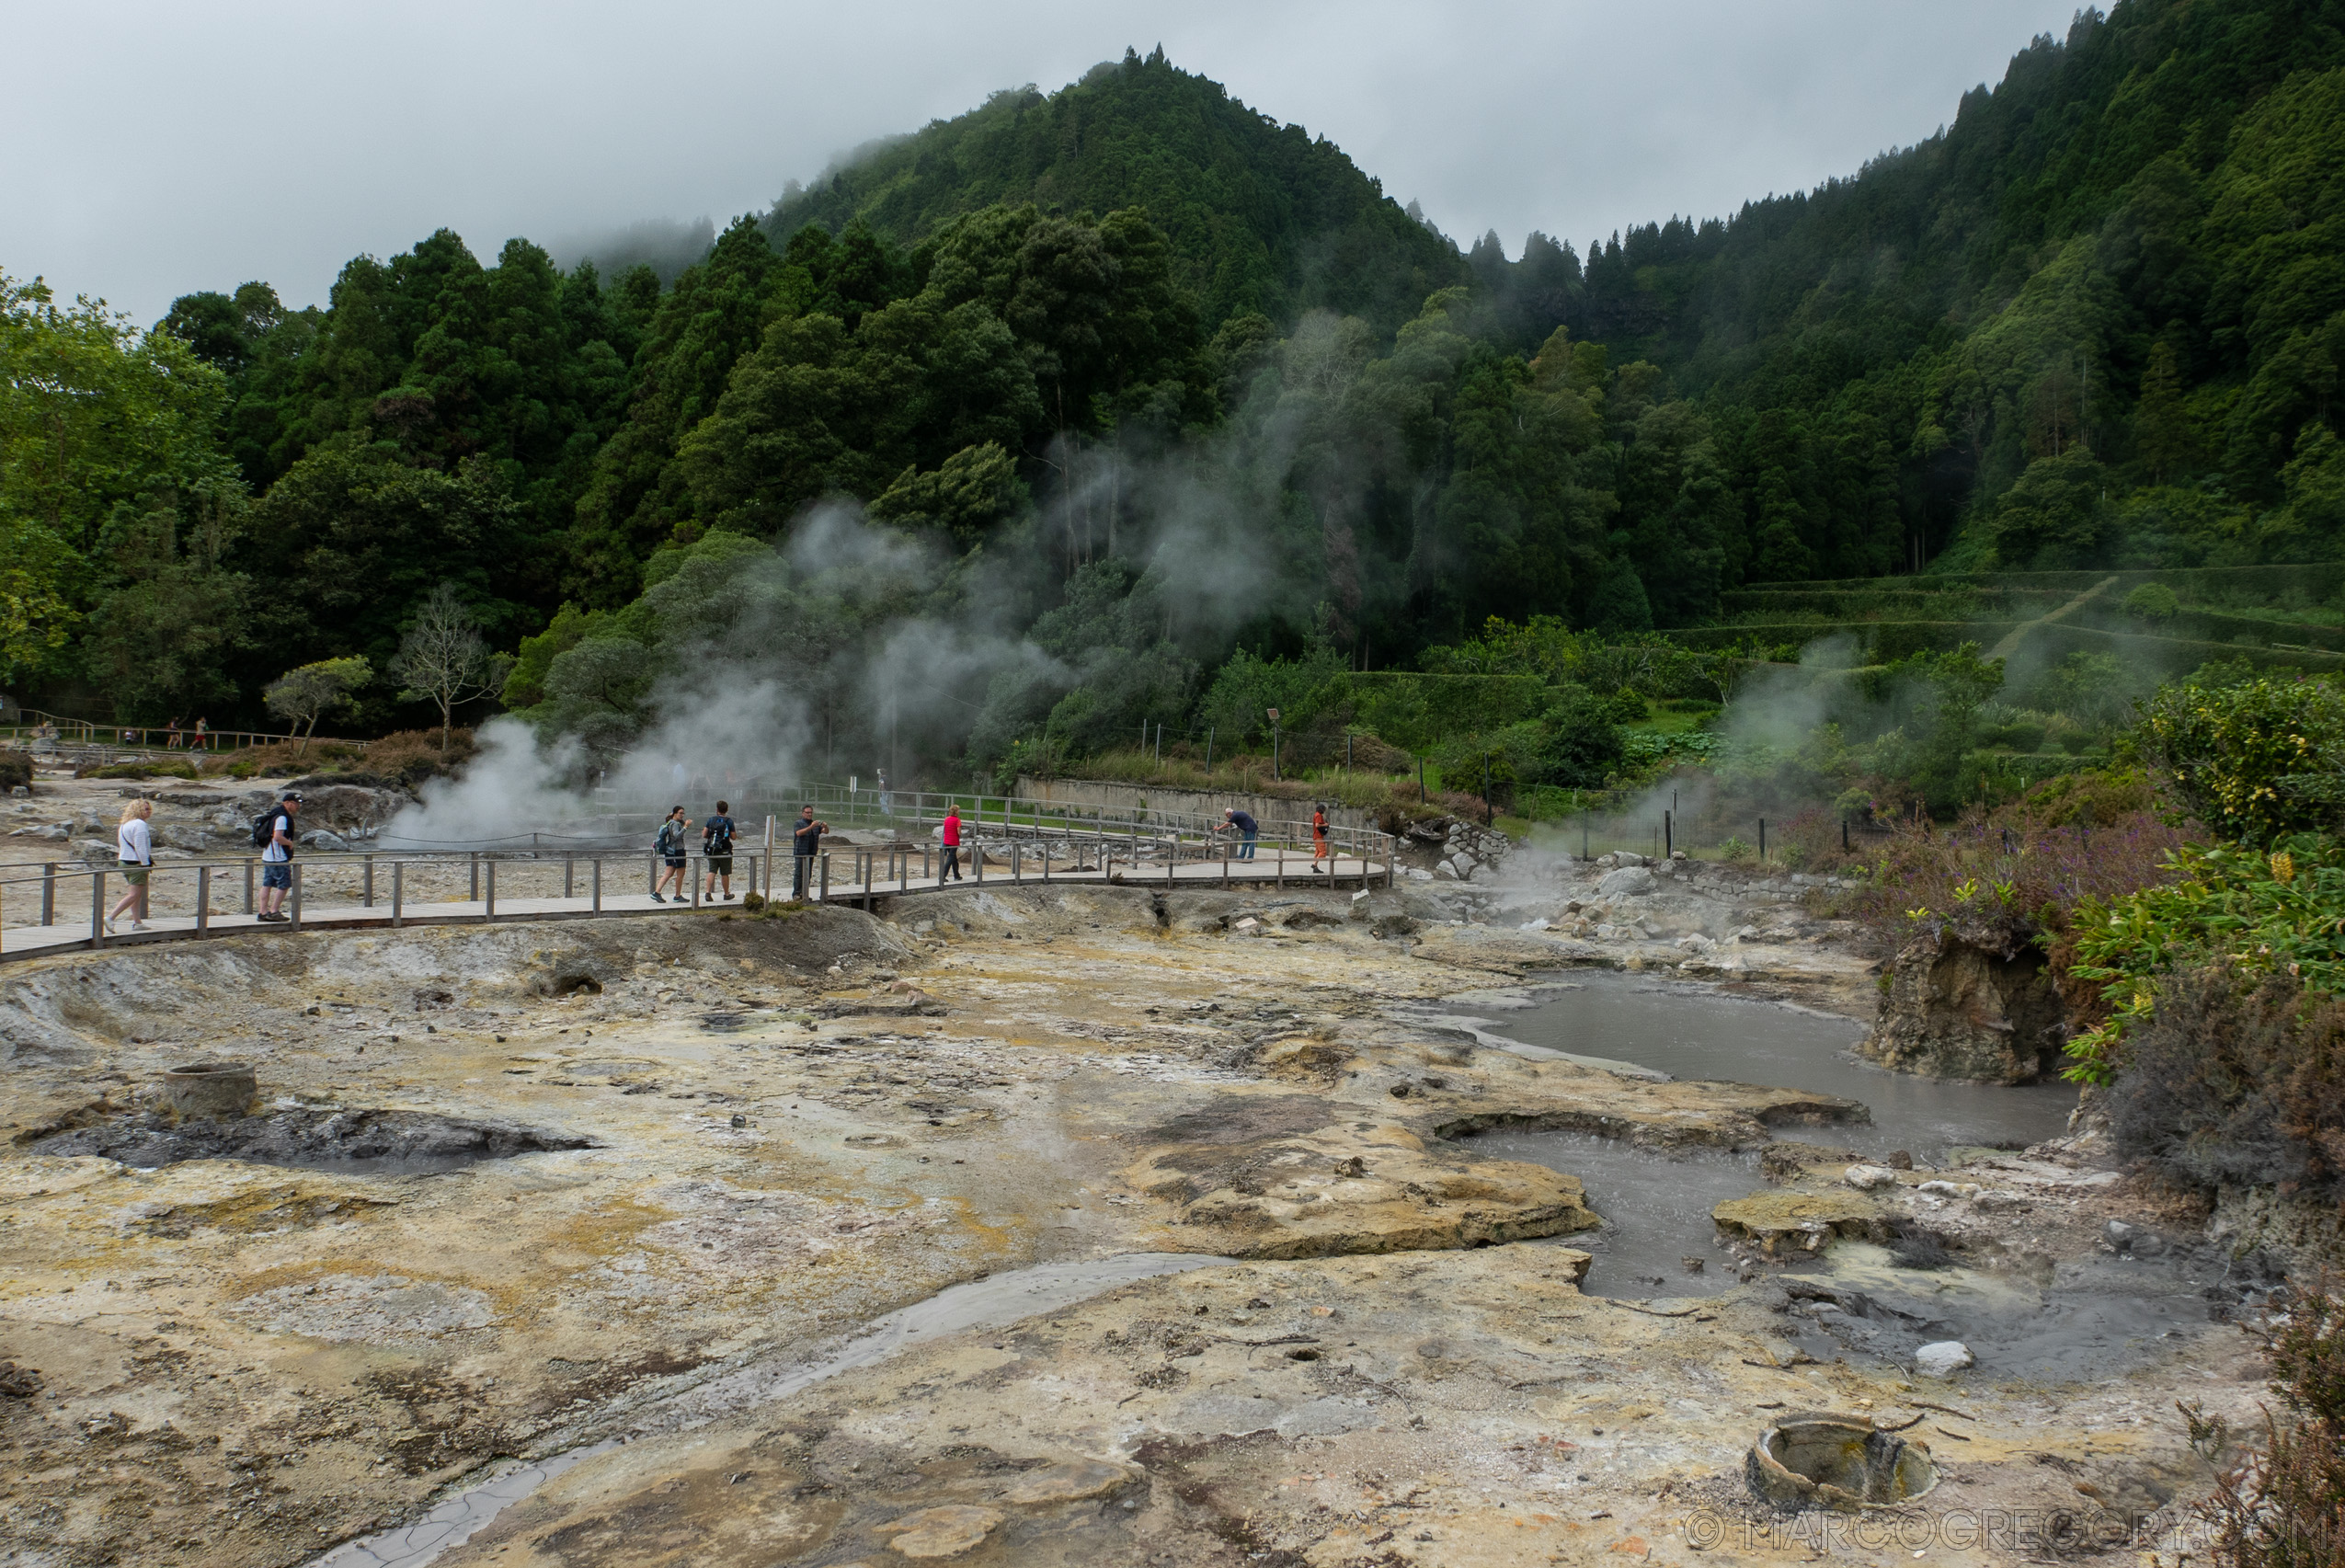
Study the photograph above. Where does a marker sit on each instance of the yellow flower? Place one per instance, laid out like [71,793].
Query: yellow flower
[2283,866]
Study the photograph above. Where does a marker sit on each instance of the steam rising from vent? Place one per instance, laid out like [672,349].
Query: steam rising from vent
[855,645]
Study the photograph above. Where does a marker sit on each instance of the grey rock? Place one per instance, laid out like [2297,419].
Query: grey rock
[1944,1358]
[1629,882]
[1956,1009]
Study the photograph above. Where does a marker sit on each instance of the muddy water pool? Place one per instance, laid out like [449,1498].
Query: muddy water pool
[1694,1030]
[1656,1207]
[2090,1315]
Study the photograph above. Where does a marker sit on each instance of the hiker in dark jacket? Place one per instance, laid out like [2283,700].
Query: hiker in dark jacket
[716,845]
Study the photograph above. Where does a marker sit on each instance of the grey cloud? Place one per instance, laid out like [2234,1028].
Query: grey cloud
[161,147]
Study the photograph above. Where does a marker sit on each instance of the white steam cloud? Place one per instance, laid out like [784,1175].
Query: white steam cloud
[750,698]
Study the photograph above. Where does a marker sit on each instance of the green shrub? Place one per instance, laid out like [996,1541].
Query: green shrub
[15,770]
[140,771]
[2152,602]
[2262,916]
[2253,761]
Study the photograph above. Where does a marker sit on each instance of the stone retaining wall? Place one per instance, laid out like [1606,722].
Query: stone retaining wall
[1270,810]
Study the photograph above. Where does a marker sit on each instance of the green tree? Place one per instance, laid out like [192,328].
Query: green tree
[303,695]
[2161,419]
[94,412]
[351,537]
[973,489]
[161,642]
[2056,514]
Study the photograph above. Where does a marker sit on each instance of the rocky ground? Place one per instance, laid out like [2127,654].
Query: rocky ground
[510,1191]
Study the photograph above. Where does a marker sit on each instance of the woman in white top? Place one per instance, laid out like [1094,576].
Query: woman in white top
[135,845]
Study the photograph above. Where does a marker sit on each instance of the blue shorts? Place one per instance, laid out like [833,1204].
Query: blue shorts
[276,874]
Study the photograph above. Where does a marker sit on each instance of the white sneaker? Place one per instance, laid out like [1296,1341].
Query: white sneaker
[138,925]
[110,925]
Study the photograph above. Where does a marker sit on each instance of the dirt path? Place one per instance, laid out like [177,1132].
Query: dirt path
[2011,640]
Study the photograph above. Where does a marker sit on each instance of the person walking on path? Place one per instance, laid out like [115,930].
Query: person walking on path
[203,736]
[716,847]
[806,839]
[1246,828]
[1318,837]
[277,858]
[171,731]
[670,844]
[949,868]
[886,796]
[134,846]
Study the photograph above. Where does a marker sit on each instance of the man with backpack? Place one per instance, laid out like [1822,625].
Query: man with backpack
[716,847]
[272,834]
[670,845]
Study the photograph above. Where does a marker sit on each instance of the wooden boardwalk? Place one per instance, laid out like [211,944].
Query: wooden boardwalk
[1272,870]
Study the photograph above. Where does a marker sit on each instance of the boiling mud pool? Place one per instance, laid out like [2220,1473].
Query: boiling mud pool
[1694,1032]
[2088,1315]
[1656,1207]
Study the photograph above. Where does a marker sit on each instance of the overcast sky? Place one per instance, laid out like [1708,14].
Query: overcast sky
[157,148]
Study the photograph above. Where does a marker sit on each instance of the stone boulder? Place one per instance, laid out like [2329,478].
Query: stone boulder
[1961,1008]
[1944,1358]
[1629,882]
[341,808]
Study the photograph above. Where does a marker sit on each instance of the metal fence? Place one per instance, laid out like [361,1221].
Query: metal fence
[619,820]
[54,727]
[61,906]
[1660,832]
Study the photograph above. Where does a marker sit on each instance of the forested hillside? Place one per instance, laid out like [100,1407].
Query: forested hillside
[1152,394]
[1260,217]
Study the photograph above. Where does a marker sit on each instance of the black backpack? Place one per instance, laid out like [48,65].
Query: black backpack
[264,828]
[720,839]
